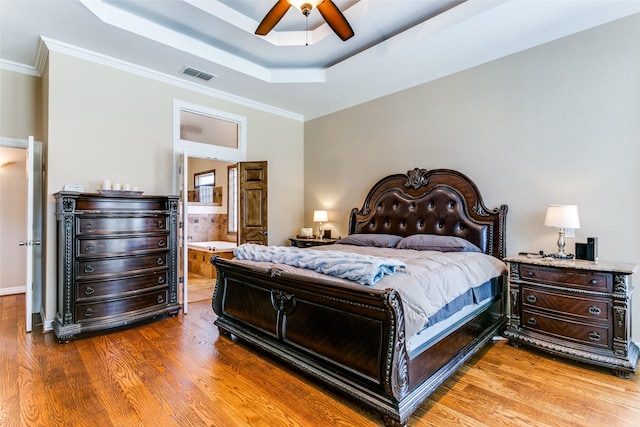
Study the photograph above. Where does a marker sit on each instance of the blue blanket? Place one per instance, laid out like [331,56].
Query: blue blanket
[363,269]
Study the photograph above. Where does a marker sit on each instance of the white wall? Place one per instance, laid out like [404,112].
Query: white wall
[558,123]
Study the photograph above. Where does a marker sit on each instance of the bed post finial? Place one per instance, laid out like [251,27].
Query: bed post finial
[416,178]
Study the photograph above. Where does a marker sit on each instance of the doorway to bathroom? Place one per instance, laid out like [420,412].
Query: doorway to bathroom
[211,221]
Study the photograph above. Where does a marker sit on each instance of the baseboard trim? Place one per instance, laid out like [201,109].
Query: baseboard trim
[12,291]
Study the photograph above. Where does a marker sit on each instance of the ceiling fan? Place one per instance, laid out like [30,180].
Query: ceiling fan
[327,8]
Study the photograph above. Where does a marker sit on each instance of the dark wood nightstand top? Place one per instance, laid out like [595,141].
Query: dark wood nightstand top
[301,242]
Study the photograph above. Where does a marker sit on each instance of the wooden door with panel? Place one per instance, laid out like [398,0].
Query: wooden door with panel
[253,201]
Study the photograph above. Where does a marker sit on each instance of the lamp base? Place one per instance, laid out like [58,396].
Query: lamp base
[560,256]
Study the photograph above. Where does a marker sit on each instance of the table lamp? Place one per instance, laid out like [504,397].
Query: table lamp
[320,216]
[562,217]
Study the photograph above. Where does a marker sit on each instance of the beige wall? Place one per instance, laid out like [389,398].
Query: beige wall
[20,105]
[555,124]
[13,222]
[110,124]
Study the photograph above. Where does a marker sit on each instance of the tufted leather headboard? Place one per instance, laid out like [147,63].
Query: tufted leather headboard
[439,201]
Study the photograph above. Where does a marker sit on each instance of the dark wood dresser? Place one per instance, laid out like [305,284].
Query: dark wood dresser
[117,261]
[573,308]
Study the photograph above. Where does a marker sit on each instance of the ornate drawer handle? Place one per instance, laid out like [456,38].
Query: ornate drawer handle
[161,243]
[89,269]
[90,247]
[88,226]
[160,299]
[532,321]
[160,224]
[531,273]
[595,310]
[593,282]
[161,279]
[531,299]
[159,261]
[89,291]
[594,336]
[88,312]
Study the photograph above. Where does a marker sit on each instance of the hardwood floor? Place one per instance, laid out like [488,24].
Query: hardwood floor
[178,372]
[200,288]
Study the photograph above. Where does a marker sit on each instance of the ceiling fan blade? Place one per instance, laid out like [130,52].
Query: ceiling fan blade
[335,19]
[273,17]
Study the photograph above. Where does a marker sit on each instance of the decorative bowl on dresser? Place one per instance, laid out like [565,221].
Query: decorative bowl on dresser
[573,308]
[117,261]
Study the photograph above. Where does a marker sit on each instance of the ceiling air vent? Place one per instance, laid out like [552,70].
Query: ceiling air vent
[197,73]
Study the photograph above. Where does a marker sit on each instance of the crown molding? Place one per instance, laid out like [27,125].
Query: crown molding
[47,44]
[19,68]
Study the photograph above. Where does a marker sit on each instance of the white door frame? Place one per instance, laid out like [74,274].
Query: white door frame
[184,149]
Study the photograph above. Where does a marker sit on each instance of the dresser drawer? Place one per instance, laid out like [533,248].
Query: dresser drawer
[86,312]
[100,289]
[92,269]
[583,279]
[589,308]
[92,247]
[120,224]
[591,334]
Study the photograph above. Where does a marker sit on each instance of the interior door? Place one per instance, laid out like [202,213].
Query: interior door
[184,237]
[30,243]
[252,203]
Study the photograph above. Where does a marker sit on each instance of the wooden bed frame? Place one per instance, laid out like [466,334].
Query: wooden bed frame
[351,337]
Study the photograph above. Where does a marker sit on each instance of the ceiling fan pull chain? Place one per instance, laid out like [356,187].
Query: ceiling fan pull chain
[306,29]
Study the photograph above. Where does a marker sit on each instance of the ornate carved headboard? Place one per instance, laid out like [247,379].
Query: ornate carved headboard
[439,201]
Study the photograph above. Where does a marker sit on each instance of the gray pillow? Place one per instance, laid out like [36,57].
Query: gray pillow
[375,240]
[432,242]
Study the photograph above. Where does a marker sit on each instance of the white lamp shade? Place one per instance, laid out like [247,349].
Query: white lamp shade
[320,216]
[562,216]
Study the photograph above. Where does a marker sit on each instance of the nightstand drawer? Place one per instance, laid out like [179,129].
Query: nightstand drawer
[594,335]
[583,279]
[589,308]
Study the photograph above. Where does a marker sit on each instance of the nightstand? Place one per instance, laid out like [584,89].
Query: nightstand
[573,308]
[302,242]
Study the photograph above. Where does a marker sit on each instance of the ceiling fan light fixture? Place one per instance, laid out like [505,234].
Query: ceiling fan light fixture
[305,5]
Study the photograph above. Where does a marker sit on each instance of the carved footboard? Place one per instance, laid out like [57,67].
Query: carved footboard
[347,336]
[318,327]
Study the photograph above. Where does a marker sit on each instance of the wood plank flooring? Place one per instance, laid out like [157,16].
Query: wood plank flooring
[200,288]
[178,372]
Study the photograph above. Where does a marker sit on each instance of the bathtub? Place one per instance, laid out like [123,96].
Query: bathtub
[200,254]
[213,246]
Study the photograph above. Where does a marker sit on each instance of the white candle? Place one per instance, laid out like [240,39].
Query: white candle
[116,186]
[127,187]
[106,185]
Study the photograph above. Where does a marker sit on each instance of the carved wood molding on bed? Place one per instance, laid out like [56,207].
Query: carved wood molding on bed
[437,201]
[354,337]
